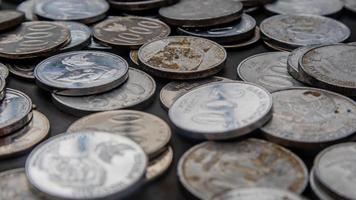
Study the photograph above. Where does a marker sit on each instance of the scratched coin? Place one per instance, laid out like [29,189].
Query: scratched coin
[244,43]
[257,193]
[350,5]
[293,63]
[316,7]
[136,92]
[210,168]
[27,8]
[10,19]
[4,71]
[222,110]
[268,70]
[86,165]
[139,5]
[201,13]
[310,118]
[33,39]
[130,32]
[86,12]
[173,90]
[182,57]
[293,31]
[317,189]
[149,131]
[23,70]
[159,165]
[134,56]
[81,73]
[80,36]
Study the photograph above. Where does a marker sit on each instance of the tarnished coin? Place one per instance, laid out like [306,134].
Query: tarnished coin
[15,111]
[233,32]
[350,5]
[10,19]
[268,70]
[2,88]
[310,118]
[136,92]
[223,110]
[254,39]
[130,32]
[293,31]
[80,36]
[316,7]
[134,56]
[81,73]
[173,90]
[26,138]
[23,70]
[182,57]
[293,63]
[317,189]
[33,39]
[4,71]
[201,13]
[27,7]
[149,131]
[257,193]
[88,11]
[159,165]
[210,168]
[139,5]
[86,165]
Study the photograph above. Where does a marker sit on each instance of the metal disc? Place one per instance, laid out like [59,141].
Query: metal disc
[136,92]
[97,46]
[130,32]
[159,165]
[210,168]
[139,5]
[81,73]
[10,19]
[293,63]
[86,165]
[80,36]
[257,193]
[201,13]
[149,131]
[269,44]
[256,37]
[223,110]
[27,8]
[317,189]
[350,5]
[23,70]
[4,71]
[268,70]
[182,57]
[134,56]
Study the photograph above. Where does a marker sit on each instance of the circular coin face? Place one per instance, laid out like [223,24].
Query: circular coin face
[10,19]
[131,31]
[257,193]
[159,165]
[350,5]
[33,39]
[134,5]
[182,57]
[209,169]
[292,31]
[136,92]
[86,165]
[23,70]
[201,13]
[268,70]
[4,71]
[293,63]
[80,36]
[81,73]
[222,110]
[27,8]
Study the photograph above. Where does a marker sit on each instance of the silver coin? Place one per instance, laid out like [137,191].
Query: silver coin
[173,90]
[136,92]
[81,73]
[159,165]
[23,70]
[293,63]
[15,111]
[222,110]
[268,70]
[292,31]
[350,5]
[4,71]
[256,37]
[257,193]
[27,7]
[86,12]
[210,168]
[80,36]
[316,7]
[276,47]
[317,189]
[149,131]
[86,165]
[310,118]
[134,56]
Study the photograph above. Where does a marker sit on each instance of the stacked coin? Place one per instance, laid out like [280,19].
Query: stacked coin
[139,5]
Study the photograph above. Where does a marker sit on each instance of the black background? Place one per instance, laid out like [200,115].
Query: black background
[167,186]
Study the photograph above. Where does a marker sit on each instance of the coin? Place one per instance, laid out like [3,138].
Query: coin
[134,56]
[27,8]
[233,32]
[293,63]
[251,9]
[350,5]
[86,165]
[292,31]
[139,5]
[222,110]
[4,71]
[257,193]
[182,57]
[256,37]
[10,19]
[201,13]
[33,39]
[15,111]
[276,47]
[316,7]
[352,43]
[136,92]
[210,168]
[96,46]
[268,70]
[317,189]
[149,131]
[80,36]
[81,73]
[173,90]
[86,12]
[331,67]
[2,88]
[130,32]
[23,70]
[159,165]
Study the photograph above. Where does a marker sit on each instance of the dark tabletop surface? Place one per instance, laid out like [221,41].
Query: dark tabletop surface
[167,186]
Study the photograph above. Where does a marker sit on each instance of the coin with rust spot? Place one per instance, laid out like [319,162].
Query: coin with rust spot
[158,166]
[4,71]
[293,63]
[254,39]
[257,194]
[10,19]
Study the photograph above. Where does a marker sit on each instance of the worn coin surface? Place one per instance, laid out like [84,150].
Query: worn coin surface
[221,110]
[244,43]
[4,71]
[33,39]
[201,13]
[257,193]
[130,32]
[136,92]
[159,165]
[80,36]
[27,8]
[86,165]
[268,70]
[81,73]
[350,5]
[293,63]
[10,19]
[317,189]
[182,57]
[292,31]
[23,70]
[210,168]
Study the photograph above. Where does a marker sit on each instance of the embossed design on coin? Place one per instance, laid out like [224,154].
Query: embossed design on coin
[257,193]
[4,71]
[159,165]
[80,36]
[10,19]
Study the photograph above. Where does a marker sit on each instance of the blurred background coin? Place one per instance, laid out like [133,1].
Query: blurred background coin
[80,36]
[10,19]
[27,7]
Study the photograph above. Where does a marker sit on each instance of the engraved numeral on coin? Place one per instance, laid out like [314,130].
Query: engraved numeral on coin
[36,40]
